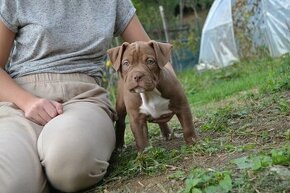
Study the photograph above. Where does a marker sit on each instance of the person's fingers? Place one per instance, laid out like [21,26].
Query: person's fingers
[50,109]
[33,115]
[58,106]
[41,111]
[37,119]
[44,115]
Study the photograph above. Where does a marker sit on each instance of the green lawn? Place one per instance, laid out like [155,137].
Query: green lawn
[215,85]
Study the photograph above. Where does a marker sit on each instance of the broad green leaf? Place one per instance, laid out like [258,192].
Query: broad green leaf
[266,161]
[281,156]
[226,183]
[190,183]
[243,163]
[256,163]
[213,189]
[196,190]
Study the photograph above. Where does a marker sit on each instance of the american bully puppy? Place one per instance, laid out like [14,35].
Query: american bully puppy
[148,92]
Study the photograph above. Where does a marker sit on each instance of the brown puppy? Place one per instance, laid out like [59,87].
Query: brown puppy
[148,91]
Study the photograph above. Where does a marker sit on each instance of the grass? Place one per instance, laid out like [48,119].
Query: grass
[242,114]
[214,85]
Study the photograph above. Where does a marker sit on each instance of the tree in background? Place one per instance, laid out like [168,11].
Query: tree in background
[247,18]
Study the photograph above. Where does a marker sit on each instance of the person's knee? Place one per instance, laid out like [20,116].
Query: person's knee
[74,163]
[73,170]
[75,146]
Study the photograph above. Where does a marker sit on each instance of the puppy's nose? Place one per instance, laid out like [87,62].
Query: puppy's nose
[137,76]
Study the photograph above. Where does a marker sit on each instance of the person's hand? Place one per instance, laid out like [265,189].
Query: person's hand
[41,111]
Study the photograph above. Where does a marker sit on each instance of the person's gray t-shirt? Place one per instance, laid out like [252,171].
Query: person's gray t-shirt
[63,36]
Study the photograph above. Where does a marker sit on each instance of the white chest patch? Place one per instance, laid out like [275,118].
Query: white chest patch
[153,104]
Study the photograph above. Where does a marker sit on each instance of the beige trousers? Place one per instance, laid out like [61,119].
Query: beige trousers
[71,151]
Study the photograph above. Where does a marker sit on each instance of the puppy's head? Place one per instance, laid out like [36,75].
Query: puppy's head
[140,63]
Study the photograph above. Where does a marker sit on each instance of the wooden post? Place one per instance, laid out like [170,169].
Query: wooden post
[164,23]
[181,6]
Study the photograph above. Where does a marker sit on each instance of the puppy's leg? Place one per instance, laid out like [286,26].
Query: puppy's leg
[185,119]
[140,130]
[120,130]
[165,131]
[120,123]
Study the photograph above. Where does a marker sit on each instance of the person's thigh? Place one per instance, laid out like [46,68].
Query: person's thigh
[20,168]
[75,146]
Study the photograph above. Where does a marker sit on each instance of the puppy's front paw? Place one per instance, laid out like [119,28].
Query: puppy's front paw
[191,139]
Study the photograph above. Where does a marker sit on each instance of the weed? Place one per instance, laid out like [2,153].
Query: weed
[209,181]
[254,172]
[253,162]
[178,175]
[153,161]
[283,106]
[281,156]
[219,120]
[287,134]
[265,172]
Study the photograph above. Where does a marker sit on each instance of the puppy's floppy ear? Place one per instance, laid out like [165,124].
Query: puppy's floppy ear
[162,52]
[116,54]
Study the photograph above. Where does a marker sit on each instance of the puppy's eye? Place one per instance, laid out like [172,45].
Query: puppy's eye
[150,61]
[125,63]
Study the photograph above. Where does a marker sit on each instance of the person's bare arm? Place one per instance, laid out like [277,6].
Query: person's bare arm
[36,109]
[135,32]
